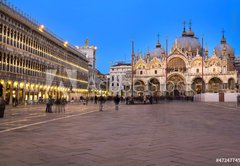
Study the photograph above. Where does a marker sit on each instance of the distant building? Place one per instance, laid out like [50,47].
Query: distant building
[93,74]
[117,77]
[36,64]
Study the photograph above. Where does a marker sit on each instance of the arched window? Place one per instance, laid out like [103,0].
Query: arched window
[231,84]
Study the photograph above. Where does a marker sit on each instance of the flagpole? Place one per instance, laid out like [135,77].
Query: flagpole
[132,66]
[202,63]
[166,61]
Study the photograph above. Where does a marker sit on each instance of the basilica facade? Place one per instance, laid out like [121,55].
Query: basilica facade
[187,70]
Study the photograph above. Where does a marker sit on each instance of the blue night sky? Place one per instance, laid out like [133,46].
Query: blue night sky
[111,24]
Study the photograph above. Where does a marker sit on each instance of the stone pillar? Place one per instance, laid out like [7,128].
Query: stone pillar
[34,92]
[23,93]
[17,93]
[206,87]
[29,91]
[11,94]
[4,89]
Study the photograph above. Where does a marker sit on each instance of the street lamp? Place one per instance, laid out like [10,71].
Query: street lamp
[65,44]
[41,27]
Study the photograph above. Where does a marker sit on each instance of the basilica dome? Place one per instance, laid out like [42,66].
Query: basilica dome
[158,51]
[187,42]
[224,46]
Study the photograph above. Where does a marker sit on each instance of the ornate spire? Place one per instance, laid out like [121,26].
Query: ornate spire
[184,28]
[223,40]
[190,25]
[158,45]
[148,51]
[86,42]
[190,33]
[214,52]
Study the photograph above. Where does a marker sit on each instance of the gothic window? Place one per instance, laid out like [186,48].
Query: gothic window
[197,70]
[141,72]
[155,71]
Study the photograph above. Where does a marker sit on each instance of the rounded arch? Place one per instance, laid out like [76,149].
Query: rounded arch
[153,84]
[176,77]
[2,81]
[139,85]
[176,85]
[15,84]
[215,61]
[154,63]
[141,64]
[176,64]
[215,84]
[231,83]
[198,85]
[197,62]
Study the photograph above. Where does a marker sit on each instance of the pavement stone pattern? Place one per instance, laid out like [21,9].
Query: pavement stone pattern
[166,134]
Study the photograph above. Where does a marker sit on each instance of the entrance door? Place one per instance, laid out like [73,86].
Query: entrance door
[221,97]
[176,93]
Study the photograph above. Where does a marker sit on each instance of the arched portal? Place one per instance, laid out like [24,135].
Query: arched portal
[198,85]
[139,87]
[231,84]
[176,65]
[176,85]
[154,86]
[214,85]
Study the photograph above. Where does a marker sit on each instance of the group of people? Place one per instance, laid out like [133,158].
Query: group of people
[59,105]
[101,100]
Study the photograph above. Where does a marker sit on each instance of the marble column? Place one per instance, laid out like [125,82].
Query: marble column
[11,94]
[4,89]
[17,93]
[23,94]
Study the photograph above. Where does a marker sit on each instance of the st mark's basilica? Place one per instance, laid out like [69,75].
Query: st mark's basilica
[187,70]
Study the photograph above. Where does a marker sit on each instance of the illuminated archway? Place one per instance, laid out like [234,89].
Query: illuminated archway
[176,64]
[176,85]
[154,86]
[198,85]
[214,84]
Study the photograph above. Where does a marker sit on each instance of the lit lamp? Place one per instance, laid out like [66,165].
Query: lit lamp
[65,44]
[21,85]
[41,27]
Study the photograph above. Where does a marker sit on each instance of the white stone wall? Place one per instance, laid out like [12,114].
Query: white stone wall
[214,97]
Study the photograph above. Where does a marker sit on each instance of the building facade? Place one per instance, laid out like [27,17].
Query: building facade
[118,80]
[34,63]
[94,80]
[187,70]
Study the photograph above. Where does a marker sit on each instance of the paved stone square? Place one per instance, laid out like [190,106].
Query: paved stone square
[167,134]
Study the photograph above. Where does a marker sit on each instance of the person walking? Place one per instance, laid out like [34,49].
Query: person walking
[116,101]
[58,105]
[101,101]
[63,103]
[2,106]
[49,105]
[151,99]
[95,99]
